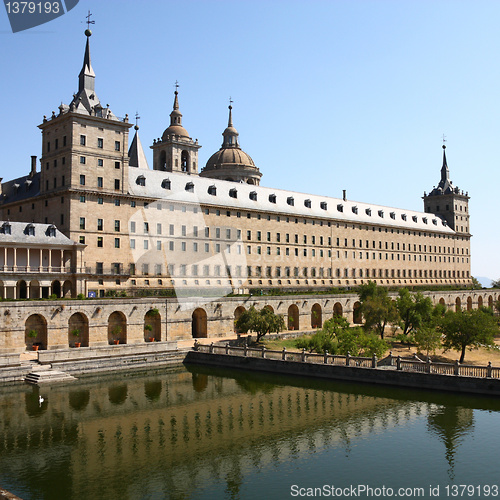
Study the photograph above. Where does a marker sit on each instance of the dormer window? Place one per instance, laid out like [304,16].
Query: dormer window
[403,216]
[381,213]
[354,209]
[51,230]
[212,190]
[16,187]
[414,218]
[27,184]
[307,203]
[434,221]
[442,222]
[340,207]
[166,184]
[272,198]
[7,228]
[323,205]
[30,230]
[141,180]
[393,215]
[368,211]
[253,196]
[233,193]
[424,219]
[290,201]
[190,187]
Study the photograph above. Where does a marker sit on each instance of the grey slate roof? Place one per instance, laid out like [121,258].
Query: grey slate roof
[44,234]
[21,188]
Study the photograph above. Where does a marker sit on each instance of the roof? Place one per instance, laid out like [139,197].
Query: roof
[21,233]
[21,188]
[194,189]
[137,158]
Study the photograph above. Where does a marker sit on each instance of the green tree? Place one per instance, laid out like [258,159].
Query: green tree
[377,307]
[468,329]
[476,285]
[428,339]
[260,322]
[495,283]
[414,310]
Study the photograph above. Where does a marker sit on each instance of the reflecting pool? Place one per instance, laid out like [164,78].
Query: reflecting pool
[201,433]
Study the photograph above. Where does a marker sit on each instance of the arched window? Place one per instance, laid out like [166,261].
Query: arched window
[185,161]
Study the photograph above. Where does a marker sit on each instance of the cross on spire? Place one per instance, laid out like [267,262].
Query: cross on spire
[444,140]
[176,85]
[88,21]
[137,118]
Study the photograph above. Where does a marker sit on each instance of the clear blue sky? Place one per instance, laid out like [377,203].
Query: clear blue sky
[328,95]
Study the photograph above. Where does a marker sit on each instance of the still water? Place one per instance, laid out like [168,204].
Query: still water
[200,433]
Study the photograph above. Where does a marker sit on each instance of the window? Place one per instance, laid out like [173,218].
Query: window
[117,225]
[290,201]
[83,140]
[132,243]
[233,193]
[82,222]
[166,184]
[82,180]
[99,267]
[211,190]
[117,164]
[158,245]
[189,187]
[82,160]
[99,224]
[323,205]
[146,244]
[354,209]
[117,145]
[99,182]
[82,240]
[307,203]
[99,242]
[117,183]
[146,227]
[272,198]
[117,202]
[100,143]
[100,201]
[82,198]
[140,181]
[253,196]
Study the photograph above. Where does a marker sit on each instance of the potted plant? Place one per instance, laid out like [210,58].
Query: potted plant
[76,333]
[33,334]
[149,328]
[116,332]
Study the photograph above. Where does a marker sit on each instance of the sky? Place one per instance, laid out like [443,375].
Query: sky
[328,95]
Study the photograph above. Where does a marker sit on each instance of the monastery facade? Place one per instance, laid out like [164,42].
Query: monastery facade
[181,227]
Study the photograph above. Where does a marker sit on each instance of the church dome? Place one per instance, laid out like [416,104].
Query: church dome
[175,127]
[228,157]
[175,130]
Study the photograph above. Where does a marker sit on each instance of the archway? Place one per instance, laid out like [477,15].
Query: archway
[68,289]
[469,304]
[163,161]
[34,289]
[21,290]
[199,323]
[185,161]
[269,307]
[78,330]
[357,317]
[237,313]
[152,326]
[480,302]
[117,328]
[458,304]
[490,302]
[2,290]
[337,309]
[293,317]
[316,320]
[35,331]
[442,302]
[56,288]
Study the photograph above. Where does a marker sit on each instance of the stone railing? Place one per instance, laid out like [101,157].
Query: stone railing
[391,362]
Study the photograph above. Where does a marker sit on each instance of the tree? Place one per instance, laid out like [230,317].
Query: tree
[260,322]
[414,310]
[428,339]
[495,283]
[377,307]
[476,285]
[468,329]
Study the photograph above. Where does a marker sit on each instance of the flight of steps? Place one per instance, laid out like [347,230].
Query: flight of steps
[44,374]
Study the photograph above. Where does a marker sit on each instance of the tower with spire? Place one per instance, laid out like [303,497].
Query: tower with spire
[449,202]
[175,151]
[231,163]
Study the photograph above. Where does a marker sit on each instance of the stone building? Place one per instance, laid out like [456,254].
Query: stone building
[178,227]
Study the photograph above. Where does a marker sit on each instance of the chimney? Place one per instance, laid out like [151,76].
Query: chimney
[33,166]
[344,197]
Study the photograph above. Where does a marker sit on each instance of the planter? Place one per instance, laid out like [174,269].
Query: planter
[116,342]
[151,339]
[35,347]
[78,344]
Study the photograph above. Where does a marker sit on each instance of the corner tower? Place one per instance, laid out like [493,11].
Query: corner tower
[449,202]
[176,151]
[231,163]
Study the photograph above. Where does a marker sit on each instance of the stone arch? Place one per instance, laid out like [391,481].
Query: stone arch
[469,303]
[117,328]
[490,301]
[237,313]
[152,326]
[269,307]
[185,161]
[357,317]
[56,288]
[35,331]
[2,290]
[293,317]
[199,323]
[442,302]
[68,289]
[78,323]
[480,302]
[21,290]
[458,304]
[316,316]
[34,287]
[163,160]
[337,309]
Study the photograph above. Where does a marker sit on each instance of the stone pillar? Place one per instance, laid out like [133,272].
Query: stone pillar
[62,260]
[40,265]
[28,268]
[50,260]
[15,260]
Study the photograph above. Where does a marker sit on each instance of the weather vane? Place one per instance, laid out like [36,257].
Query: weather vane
[444,138]
[88,21]
[230,101]
[137,118]
[176,85]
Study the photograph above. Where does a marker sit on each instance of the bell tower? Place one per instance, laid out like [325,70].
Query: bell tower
[176,151]
[449,202]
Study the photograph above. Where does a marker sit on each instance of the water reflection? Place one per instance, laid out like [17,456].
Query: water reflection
[181,433]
